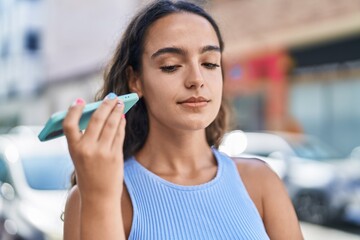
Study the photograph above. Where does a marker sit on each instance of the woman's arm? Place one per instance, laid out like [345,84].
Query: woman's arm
[279,215]
[91,220]
[93,209]
[72,215]
[271,198]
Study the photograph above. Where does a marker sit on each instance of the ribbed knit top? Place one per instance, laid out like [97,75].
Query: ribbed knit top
[218,209]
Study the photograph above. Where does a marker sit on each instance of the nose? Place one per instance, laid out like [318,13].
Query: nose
[195,78]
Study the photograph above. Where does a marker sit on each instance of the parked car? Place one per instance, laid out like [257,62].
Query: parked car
[323,185]
[34,182]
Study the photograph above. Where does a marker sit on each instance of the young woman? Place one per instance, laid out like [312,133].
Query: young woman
[157,173]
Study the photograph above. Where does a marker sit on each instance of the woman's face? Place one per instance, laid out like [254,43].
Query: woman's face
[181,79]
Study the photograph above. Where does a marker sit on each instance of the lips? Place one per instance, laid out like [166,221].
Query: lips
[195,100]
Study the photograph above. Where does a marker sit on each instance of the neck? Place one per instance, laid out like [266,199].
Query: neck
[176,152]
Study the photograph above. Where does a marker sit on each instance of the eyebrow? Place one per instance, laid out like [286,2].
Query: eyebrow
[210,48]
[179,51]
[173,50]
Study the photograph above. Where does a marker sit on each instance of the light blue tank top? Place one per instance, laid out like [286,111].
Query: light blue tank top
[218,209]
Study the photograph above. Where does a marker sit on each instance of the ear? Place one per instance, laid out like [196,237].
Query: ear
[134,81]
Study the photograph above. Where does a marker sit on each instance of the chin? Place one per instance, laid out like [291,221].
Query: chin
[198,124]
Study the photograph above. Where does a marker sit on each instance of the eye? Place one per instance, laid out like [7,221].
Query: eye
[211,65]
[170,68]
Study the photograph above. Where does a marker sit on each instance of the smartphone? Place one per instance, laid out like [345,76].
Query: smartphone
[53,127]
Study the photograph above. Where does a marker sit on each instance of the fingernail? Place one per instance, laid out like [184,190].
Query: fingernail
[120,102]
[78,101]
[111,96]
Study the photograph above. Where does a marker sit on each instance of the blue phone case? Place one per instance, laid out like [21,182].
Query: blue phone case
[53,127]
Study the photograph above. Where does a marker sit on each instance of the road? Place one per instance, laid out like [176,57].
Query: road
[315,232]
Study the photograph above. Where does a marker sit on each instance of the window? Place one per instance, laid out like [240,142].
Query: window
[32,40]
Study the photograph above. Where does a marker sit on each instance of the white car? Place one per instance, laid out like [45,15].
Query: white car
[323,185]
[34,182]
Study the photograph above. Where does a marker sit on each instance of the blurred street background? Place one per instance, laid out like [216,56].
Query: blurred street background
[290,66]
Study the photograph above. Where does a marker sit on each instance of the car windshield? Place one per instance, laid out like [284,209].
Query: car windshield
[313,149]
[48,172]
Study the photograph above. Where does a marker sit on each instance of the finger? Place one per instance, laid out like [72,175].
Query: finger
[111,125]
[100,116]
[120,136]
[71,121]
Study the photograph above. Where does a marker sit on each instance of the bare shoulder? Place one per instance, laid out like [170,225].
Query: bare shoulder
[257,177]
[73,195]
[73,202]
[72,215]
[250,166]
[270,197]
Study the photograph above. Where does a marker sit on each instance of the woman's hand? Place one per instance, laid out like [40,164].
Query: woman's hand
[93,209]
[97,154]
